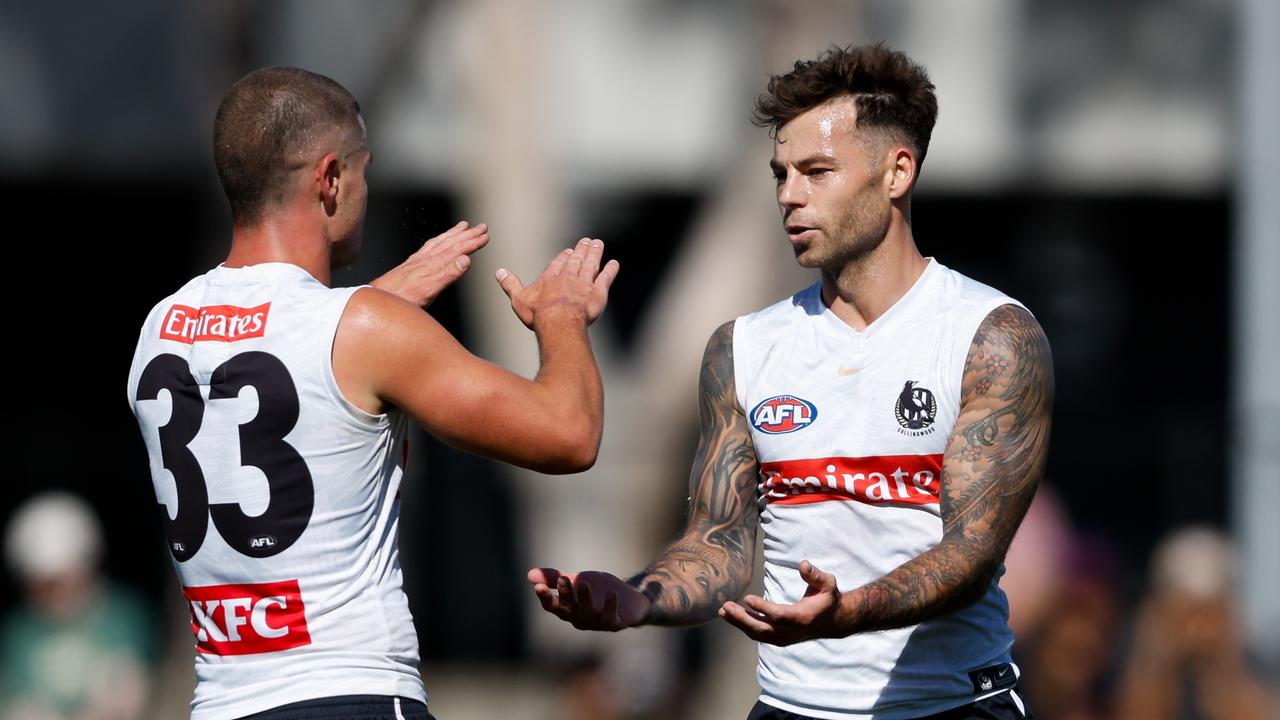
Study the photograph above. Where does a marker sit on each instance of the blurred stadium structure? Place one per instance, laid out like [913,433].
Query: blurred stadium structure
[1113,165]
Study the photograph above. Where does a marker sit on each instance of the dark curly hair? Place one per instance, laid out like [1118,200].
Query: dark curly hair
[890,89]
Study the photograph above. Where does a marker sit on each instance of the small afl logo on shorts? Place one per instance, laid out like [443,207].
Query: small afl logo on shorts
[783,414]
[262,541]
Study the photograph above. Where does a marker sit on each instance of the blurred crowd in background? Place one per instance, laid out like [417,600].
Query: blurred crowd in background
[79,645]
[1092,159]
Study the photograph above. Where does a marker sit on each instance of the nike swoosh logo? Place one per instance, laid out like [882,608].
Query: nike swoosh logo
[843,371]
[1003,672]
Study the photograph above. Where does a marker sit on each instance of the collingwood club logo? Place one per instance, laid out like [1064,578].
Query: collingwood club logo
[916,409]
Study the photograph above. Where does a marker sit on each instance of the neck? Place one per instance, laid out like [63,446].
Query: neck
[866,287]
[287,237]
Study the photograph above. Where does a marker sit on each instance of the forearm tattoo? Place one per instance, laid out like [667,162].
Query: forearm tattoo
[712,561]
[990,471]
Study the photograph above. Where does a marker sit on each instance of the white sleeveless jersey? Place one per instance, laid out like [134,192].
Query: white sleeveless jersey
[279,497]
[850,428]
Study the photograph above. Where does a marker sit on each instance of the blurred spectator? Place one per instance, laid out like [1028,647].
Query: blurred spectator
[77,648]
[1187,658]
[1064,612]
[1036,565]
[1068,660]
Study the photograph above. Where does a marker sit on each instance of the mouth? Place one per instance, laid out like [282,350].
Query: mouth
[800,233]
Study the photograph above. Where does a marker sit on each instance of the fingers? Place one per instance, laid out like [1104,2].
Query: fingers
[450,273]
[587,607]
[609,613]
[573,275]
[461,238]
[557,264]
[510,284]
[544,576]
[550,601]
[771,611]
[583,261]
[564,587]
[436,241]
[606,277]
[575,598]
[739,617]
[543,580]
[591,259]
[457,228]
[463,227]
[817,580]
[574,266]
[471,240]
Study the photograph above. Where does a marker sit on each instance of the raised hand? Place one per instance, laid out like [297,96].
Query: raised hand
[813,617]
[436,265]
[589,600]
[573,278]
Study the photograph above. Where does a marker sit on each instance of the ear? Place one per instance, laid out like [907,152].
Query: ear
[328,172]
[902,171]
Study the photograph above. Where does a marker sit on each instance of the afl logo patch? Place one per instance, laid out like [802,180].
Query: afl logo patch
[783,414]
[916,409]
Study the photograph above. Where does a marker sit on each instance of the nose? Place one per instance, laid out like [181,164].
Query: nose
[791,193]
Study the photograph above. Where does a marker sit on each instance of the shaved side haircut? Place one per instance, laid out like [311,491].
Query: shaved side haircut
[268,124]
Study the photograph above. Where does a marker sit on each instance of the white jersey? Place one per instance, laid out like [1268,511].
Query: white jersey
[279,497]
[850,428]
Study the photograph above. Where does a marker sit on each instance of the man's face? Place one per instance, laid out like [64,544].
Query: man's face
[353,200]
[833,185]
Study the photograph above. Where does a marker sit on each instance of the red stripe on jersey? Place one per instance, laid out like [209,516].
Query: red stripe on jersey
[878,480]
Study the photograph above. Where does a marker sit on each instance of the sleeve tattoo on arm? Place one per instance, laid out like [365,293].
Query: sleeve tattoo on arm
[990,472]
[712,561]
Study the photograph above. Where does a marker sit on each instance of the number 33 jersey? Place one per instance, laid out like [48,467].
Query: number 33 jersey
[279,497]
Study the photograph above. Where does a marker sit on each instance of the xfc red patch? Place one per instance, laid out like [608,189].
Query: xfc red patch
[247,619]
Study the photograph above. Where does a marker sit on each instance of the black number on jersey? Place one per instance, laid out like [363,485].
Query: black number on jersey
[262,445]
[187,529]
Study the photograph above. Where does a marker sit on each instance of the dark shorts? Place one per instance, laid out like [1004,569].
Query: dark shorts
[348,707]
[997,707]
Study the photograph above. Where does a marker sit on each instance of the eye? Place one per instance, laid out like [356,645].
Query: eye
[818,172]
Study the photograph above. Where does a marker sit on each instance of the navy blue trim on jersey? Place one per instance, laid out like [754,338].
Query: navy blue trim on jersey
[348,707]
[1002,706]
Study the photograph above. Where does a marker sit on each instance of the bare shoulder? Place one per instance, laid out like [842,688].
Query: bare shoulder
[376,320]
[719,352]
[716,380]
[379,334]
[999,446]
[372,309]
[1009,353]
[361,324]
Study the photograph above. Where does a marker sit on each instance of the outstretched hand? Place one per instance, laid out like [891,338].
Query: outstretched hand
[589,600]
[813,617]
[573,278]
[436,265]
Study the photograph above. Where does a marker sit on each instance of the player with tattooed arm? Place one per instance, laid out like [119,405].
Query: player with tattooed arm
[885,429]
